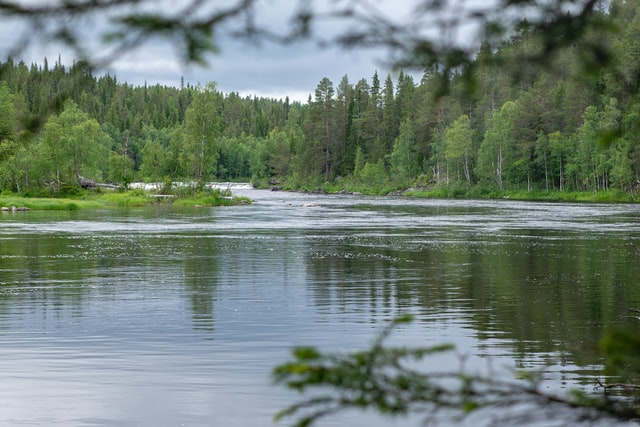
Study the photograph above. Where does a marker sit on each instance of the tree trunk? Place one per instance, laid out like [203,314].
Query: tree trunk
[499,169]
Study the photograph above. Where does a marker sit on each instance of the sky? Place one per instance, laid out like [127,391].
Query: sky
[269,70]
[264,69]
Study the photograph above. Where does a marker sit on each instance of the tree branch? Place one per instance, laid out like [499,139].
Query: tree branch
[626,386]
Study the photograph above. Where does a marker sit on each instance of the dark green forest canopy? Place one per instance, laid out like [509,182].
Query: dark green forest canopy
[568,123]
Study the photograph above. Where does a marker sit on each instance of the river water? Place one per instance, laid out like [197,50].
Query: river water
[175,317]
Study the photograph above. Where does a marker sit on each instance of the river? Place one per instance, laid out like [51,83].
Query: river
[161,316]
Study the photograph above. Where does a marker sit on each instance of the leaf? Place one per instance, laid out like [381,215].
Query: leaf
[306,353]
[470,407]
[607,137]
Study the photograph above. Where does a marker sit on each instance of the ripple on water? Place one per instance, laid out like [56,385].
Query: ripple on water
[146,317]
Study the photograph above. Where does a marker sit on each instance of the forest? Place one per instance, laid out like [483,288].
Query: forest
[500,127]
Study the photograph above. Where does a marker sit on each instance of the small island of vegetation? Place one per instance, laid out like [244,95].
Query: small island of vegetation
[187,196]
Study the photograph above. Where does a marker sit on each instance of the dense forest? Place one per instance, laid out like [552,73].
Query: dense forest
[500,127]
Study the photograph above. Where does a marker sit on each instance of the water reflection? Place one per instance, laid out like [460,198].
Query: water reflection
[200,271]
[168,317]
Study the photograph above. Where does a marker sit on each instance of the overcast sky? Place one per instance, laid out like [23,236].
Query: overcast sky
[265,69]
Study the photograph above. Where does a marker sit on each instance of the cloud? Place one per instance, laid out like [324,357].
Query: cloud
[259,68]
[292,71]
[264,70]
[254,67]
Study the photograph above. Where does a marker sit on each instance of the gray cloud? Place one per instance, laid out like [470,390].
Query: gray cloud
[265,69]
[260,68]
[294,71]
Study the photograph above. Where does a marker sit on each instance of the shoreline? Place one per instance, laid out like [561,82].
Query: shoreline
[607,197]
[11,203]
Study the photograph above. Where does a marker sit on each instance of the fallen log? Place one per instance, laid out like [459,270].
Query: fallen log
[90,184]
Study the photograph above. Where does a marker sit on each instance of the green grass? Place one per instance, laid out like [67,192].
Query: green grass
[611,196]
[46,204]
[209,199]
[127,199]
[124,199]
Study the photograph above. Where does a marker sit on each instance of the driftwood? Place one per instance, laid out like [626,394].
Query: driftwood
[90,184]
[627,386]
[14,209]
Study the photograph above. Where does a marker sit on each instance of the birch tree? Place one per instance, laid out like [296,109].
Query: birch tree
[458,140]
[202,132]
[497,141]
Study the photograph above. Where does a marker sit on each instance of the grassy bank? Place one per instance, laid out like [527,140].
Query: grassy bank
[611,196]
[126,199]
[457,191]
[46,204]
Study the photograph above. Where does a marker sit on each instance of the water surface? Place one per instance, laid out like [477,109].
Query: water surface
[168,317]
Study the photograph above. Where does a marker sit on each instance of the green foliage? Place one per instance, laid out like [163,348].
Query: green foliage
[167,186]
[458,140]
[506,126]
[621,350]
[71,147]
[120,168]
[202,130]
[397,381]
[126,199]
[154,161]
[363,379]
[202,199]
[7,114]
[496,147]
[374,177]
[403,157]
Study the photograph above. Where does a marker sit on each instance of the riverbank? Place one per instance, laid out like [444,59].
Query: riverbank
[610,196]
[216,197]
[473,193]
[14,203]
[133,198]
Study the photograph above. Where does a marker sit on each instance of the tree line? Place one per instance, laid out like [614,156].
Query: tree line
[499,125]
